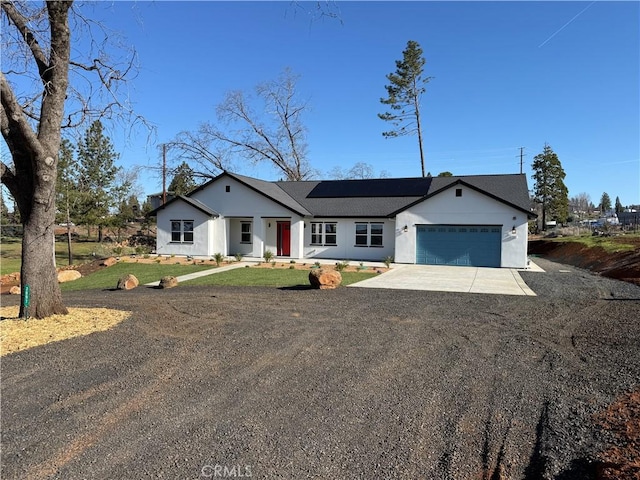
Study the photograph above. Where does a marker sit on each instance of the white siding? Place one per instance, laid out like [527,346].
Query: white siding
[346,235]
[472,208]
[180,210]
[241,203]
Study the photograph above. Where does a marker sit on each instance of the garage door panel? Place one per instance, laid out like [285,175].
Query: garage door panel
[471,245]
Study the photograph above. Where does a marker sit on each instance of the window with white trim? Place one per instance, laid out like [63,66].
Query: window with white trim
[369,234]
[182,231]
[324,233]
[245,232]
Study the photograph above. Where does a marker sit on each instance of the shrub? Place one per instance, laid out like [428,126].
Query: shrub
[340,266]
[268,255]
[218,257]
[388,261]
[238,257]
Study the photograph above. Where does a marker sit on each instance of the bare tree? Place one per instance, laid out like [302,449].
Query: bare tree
[360,171]
[36,46]
[276,136]
[581,203]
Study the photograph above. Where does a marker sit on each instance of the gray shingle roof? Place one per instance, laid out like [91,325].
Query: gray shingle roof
[191,201]
[384,197]
[389,196]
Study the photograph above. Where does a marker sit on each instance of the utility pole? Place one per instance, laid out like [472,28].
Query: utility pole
[521,158]
[164,173]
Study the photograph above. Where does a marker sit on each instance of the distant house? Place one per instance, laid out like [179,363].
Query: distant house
[629,218]
[478,220]
[155,199]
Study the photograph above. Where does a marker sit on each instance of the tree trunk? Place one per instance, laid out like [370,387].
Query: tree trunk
[419,128]
[70,256]
[38,268]
[32,180]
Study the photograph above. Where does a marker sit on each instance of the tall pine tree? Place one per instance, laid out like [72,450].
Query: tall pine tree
[183,180]
[404,91]
[97,174]
[605,203]
[549,188]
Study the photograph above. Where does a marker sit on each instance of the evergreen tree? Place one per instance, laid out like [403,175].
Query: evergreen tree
[619,207]
[605,203]
[549,188]
[66,183]
[4,210]
[97,174]
[66,190]
[405,88]
[183,180]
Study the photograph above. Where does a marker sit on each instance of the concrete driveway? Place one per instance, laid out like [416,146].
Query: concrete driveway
[442,278]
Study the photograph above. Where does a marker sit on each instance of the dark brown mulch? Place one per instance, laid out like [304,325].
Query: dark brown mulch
[622,419]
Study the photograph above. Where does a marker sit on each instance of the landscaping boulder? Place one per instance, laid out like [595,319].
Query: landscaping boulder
[15,290]
[324,280]
[127,282]
[168,282]
[108,262]
[68,275]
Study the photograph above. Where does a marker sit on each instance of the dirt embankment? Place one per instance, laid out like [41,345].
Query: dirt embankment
[620,265]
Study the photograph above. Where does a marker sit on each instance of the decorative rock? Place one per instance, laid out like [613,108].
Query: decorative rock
[127,282]
[108,262]
[68,275]
[168,282]
[324,280]
[15,290]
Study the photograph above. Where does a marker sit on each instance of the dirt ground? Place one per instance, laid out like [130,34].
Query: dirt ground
[623,266]
[348,383]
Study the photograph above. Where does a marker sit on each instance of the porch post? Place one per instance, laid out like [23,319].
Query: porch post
[259,233]
[297,238]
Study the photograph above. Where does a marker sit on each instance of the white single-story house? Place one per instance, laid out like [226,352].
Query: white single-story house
[478,220]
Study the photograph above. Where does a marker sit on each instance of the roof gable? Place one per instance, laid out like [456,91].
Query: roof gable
[384,197]
[510,189]
[191,201]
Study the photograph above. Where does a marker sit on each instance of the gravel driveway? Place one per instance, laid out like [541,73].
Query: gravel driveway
[352,383]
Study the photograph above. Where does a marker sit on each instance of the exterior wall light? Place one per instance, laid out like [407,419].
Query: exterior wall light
[405,229]
[513,230]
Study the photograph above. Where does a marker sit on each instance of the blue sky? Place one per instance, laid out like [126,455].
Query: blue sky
[506,75]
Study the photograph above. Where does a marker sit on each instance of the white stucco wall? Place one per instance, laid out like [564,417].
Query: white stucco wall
[346,239]
[472,208]
[180,210]
[241,203]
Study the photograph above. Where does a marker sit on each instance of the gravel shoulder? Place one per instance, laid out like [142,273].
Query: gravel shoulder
[346,383]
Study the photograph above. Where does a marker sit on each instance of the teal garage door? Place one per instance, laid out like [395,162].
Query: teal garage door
[471,245]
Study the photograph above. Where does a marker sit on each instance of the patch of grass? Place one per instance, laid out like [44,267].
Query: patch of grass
[145,273]
[82,252]
[266,277]
[608,244]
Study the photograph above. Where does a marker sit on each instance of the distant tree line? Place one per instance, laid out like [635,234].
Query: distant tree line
[91,190]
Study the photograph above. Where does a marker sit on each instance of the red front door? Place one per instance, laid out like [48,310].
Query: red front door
[284,239]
